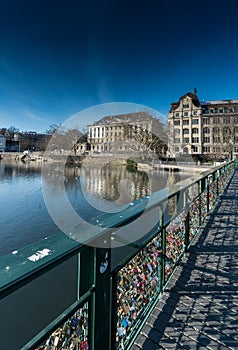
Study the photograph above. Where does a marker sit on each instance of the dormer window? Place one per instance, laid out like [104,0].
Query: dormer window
[185,105]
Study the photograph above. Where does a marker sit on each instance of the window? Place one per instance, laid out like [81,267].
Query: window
[186,140]
[176,149]
[217,149]
[195,121]
[185,131]
[195,130]
[206,121]
[216,139]
[206,130]
[176,122]
[185,114]
[195,140]
[185,105]
[177,140]
[206,139]
[226,131]
[216,120]
[220,110]
[216,130]
[206,149]
[195,113]
[211,110]
[226,120]
[176,132]
[195,149]
[231,110]
[186,122]
[176,115]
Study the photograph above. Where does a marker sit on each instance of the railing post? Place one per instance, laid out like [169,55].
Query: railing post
[187,229]
[217,179]
[114,279]
[208,198]
[163,246]
[199,202]
[103,300]
[203,185]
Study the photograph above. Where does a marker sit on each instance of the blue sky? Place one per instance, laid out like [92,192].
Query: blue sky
[58,58]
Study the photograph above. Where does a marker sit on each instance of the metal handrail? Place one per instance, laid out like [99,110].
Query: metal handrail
[180,219]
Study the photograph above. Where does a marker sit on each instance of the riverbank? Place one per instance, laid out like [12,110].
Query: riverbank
[193,168]
[70,159]
[101,160]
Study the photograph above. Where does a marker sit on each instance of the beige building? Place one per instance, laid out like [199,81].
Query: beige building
[120,133]
[207,128]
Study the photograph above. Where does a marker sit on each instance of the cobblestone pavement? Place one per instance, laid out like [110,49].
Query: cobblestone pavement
[199,309]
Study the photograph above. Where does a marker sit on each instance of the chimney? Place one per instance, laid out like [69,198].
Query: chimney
[195,91]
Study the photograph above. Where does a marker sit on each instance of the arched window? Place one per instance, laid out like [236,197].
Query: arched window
[185,131]
[195,130]
[226,131]
[206,130]
[216,130]
[226,134]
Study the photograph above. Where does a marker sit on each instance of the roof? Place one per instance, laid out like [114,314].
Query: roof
[197,103]
[194,98]
[125,118]
[219,102]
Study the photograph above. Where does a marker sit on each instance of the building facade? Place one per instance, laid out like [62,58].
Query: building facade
[208,128]
[121,133]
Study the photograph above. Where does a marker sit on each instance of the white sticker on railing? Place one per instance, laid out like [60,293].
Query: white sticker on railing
[39,255]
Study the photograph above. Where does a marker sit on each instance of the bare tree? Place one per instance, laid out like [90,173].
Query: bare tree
[150,139]
[52,129]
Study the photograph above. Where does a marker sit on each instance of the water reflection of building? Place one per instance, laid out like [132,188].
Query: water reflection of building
[11,169]
[116,183]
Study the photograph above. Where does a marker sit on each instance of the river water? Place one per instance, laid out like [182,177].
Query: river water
[24,218]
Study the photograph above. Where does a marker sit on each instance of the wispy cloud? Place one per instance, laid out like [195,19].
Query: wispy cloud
[9,68]
[103,91]
[31,115]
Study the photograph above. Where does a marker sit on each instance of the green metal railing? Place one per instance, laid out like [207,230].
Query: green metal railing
[142,280]
[100,297]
